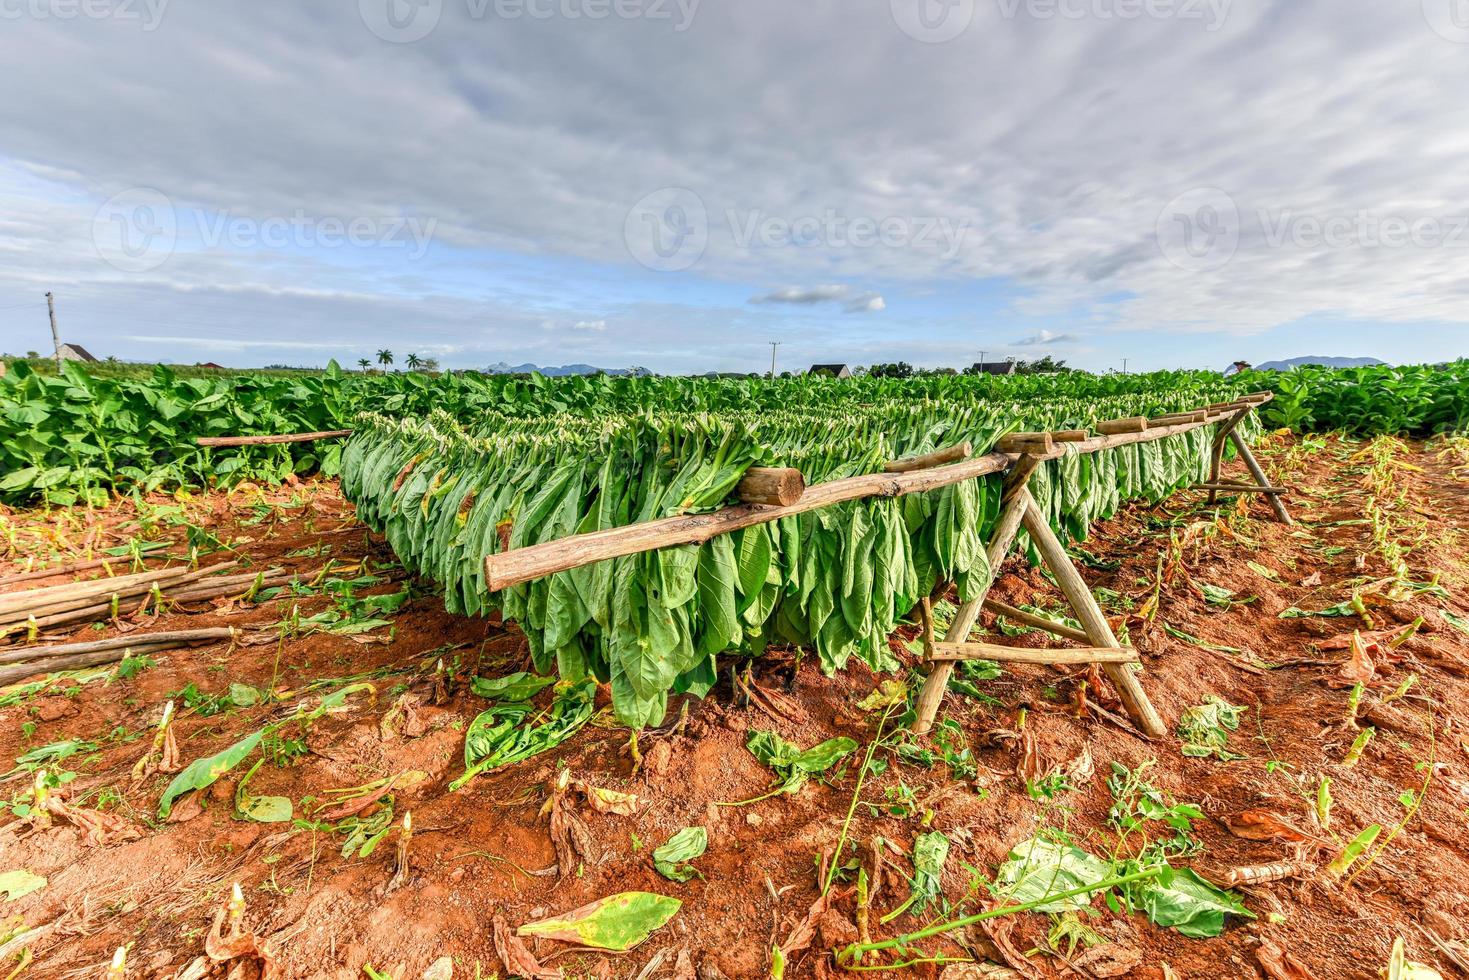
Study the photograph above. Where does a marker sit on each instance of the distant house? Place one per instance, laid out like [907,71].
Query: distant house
[212,366]
[831,370]
[995,367]
[1238,367]
[75,352]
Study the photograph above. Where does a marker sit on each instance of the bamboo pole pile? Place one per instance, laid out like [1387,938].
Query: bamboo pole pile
[87,602]
[17,665]
[77,567]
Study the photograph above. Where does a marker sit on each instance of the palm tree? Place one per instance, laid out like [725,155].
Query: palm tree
[364,364]
[385,357]
[414,361]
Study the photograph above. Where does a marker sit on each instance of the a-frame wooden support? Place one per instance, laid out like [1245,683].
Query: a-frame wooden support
[1018,508]
[1228,432]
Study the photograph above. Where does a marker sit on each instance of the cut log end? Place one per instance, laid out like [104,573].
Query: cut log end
[1026,444]
[950,454]
[1112,427]
[775,486]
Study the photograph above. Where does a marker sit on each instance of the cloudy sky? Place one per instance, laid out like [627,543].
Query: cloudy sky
[674,183]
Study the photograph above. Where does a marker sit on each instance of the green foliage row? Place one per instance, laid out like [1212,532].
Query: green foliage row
[86,432]
[1417,400]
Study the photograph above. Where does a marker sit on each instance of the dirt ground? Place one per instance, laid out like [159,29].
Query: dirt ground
[483,852]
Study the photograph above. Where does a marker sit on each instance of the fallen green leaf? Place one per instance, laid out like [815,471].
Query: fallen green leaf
[617,922]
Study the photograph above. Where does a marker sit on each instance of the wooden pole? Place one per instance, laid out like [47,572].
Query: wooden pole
[1093,622]
[1281,514]
[776,486]
[949,454]
[1029,443]
[1012,510]
[1216,450]
[509,568]
[132,641]
[1022,655]
[1111,426]
[55,334]
[1039,622]
[271,440]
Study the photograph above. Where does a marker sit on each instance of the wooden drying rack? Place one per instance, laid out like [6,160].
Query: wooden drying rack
[768,494]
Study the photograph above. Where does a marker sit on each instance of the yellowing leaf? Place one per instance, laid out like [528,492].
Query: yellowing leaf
[617,922]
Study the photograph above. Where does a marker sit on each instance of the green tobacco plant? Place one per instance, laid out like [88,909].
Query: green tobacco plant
[1205,729]
[513,731]
[792,764]
[671,860]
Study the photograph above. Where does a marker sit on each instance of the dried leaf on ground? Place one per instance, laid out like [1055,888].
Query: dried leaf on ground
[1111,960]
[518,959]
[1264,825]
[1281,964]
[100,829]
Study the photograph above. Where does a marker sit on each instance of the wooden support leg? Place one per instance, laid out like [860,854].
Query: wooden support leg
[1216,452]
[1011,513]
[1276,504]
[1129,689]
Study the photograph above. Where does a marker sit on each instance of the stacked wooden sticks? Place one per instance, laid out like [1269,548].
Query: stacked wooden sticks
[24,662]
[100,599]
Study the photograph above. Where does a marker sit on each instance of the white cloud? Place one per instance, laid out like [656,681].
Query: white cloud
[851,301]
[1044,338]
[526,136]
[589,325]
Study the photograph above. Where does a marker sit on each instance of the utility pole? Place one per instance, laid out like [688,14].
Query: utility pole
[1124,365]
[773,345]
[55,336]
[981,360]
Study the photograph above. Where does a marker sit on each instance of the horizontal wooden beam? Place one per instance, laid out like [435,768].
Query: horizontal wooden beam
[271,440]
[519,565]
[949,454]
[777,486]
[1022,655]
[1038,622]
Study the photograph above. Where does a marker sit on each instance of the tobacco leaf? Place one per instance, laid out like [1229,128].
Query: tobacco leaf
[670,859]
[618,922]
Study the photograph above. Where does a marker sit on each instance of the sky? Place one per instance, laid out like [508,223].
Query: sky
[678,183]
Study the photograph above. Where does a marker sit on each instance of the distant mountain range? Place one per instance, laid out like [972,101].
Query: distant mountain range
[1336,362]
[564,370]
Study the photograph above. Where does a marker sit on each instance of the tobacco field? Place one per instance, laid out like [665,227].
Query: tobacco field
[262,715]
